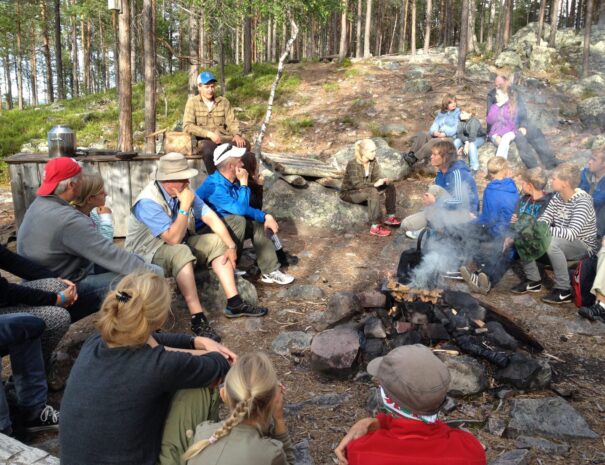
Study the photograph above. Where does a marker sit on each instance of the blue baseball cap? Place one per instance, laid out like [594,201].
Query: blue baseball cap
[205,77]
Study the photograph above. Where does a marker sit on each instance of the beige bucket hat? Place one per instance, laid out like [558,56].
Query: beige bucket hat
[173,167]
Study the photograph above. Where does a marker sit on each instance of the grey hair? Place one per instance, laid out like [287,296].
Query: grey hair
[222,165]
[62,186]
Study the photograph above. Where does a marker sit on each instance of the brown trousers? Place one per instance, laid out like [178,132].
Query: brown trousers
[372,196]
[422,146]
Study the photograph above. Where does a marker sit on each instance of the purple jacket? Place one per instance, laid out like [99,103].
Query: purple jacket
[501,120]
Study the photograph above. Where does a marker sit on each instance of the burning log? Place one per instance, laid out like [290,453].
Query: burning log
[403,293]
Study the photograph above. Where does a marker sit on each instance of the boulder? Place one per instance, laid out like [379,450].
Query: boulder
[393,129]
[302,453]
[291,342]
[592,112]
[372,299]
[488,150]
[498,335]
[579,325]
[468,376]
[451,54]
[374,328]
[372,349]
[391,161]
[414,73]
[417,86]
[302,292]
[508,59]
[551,417]
[541,444]
[335,351]
[524,372]
[342,306]
[212,295]
[478,71]
[542,58]
[513,457]
[591,86]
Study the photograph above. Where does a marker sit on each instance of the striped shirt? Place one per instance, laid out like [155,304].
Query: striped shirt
[574,219]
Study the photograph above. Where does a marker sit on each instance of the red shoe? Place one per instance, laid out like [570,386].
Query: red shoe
[392,220]
[379,230]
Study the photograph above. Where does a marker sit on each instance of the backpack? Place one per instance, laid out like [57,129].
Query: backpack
[582,279]
[532,237]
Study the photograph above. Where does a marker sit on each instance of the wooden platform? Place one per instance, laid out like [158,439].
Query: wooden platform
[124,180]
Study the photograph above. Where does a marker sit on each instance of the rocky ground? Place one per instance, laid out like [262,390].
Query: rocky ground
[393,98]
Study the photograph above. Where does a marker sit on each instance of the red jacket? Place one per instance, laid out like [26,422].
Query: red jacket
[400,441]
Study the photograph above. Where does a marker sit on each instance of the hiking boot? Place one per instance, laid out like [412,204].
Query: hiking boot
[596,312]
[380,231]
[477,282]
[286,258]
[277,277]
[392,220]
[410,158]
[245,310]
[558,296]
[203,329]
[527,286]
[48,419]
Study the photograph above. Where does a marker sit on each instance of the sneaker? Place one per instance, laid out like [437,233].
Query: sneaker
[558,296]
[527,286]
[47,420]
[239,272]
[413,234]
[380,231]
[392,220]
[410,158]
[453,275]
[477,282]
[277,277]
[595,312]
[203,329]
[245,309]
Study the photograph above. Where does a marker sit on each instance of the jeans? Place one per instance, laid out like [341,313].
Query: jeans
[20,338]
[91,293]
[473,155]
[559,251]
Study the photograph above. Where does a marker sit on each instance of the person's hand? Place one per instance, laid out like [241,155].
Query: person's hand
[271,224]
[498,139]
[205,343]
[379,183]
[230,255]
[523,131]
[239,141]
[186,197]
[242,175]
[260,180]
[460,151]
[428,199]
[215,137]
[103,209]
[507,243]
[514,218]
[603,242]
[359,429]
[70,294]
[439,134]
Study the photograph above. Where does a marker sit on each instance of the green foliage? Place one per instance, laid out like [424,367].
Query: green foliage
[296,125]
[330,86]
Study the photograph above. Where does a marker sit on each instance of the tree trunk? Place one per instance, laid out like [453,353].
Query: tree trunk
[342,49]
[33,70]
[602,14]
[404,25]
[274,41]
[116,51]
[248,43]
[470,34]
[58,48]
[125,89]
[150,59]
[571,19]
[194,61]
[463,40]
[85,31]
[427,25]
[541,21]
[50,94]
[490,26]
[8,80]
[587,29]
[554,21]
[75,87]
[358,29]
[133,36]
[18,56]
[393,33]
[367,30]
[508,19]
[413,38]
[482,23]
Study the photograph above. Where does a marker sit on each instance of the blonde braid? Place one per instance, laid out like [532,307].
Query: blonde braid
[238,415]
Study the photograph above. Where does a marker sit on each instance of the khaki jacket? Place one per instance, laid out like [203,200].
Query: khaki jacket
[199,121]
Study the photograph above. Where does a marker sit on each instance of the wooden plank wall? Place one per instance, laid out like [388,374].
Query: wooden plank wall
[124,181]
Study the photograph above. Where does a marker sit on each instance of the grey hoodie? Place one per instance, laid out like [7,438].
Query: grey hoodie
[59,237]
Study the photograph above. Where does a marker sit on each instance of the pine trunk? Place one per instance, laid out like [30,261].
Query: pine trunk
[413,38]
[404,25]
[50,92]
[602,14]
[508,16]
[125,89]
[18,56]
[358,29]
[85,31]
[75,88]
[463,40]
[8,80]
[150,59]
[33,71]
[248,43]
[554,21]
[571,19]
[367,30]
[194,60]
[541,21]
[342,49]
[470,34]
[427,25]
[58,51]
[587,30]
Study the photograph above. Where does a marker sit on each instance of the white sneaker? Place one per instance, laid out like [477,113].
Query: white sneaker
[413,234]
[277,277]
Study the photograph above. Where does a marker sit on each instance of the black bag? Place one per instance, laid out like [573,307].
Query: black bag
[409,260]
[582,279]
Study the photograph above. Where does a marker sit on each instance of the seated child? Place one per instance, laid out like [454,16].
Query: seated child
[469,137]
[502,119]
[91,202]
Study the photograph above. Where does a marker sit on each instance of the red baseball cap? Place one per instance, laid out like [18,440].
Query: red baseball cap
[57,170]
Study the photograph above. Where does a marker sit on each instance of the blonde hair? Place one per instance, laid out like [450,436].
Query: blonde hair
[361,146]
[536,177]
[568,172]
[138,306]
[495,165]
[91,184]
[250,387]
[447,99]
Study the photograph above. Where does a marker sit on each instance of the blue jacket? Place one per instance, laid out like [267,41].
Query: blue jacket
[598,198]
[227,198]
[460,184]
[446,121]
[500,199]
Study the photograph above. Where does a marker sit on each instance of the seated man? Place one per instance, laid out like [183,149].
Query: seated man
[571,217]
[64,240]
[413,386]
[593,182]
[20,338]
[161,230]
[226,192]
